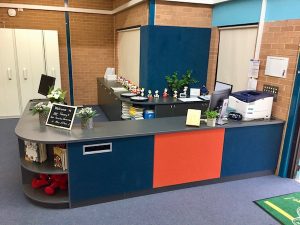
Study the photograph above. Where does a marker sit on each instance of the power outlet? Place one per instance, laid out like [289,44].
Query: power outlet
[271,89]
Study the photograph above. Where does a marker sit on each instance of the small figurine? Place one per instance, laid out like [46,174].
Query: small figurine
[183,94]
[165,94]
[150,94]
[138,91]
[133,89]
[156,94]
[185,90]
[175,94]
[142,92]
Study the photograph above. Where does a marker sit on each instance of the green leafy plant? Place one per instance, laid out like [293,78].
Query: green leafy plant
[86,113]
[41,107]
[211,114]
[177,84]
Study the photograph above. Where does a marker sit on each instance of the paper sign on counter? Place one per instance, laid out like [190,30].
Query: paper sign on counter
[193,117]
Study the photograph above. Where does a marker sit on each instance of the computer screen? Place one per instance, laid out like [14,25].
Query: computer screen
[222,86]
[46,83]
[217,98]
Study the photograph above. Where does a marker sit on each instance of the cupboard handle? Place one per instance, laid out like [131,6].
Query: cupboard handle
[9,74]
[53,72]
[25,74]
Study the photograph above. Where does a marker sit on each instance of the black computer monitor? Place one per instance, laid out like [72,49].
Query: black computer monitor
[222,86]
[217,98]
[46,83]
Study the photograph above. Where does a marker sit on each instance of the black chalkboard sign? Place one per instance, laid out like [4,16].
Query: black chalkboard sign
[61,116]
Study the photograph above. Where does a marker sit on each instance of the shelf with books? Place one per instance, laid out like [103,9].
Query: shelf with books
[60,199]
[46,167]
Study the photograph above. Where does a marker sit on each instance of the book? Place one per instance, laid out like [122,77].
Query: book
[60,157]
[35,152]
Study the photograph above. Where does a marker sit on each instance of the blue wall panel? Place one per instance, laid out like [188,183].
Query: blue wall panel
[236,12]
[165,50]
[251,149]
[291,127]
[283,10]
[128,168]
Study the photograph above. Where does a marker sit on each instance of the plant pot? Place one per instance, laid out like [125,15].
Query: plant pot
[211,122]
[43,118]
[87,123]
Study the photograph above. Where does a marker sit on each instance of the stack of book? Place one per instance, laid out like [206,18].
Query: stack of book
[60,157]
[125,110]
[136,113]
[35,152]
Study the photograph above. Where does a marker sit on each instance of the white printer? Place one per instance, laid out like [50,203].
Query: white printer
[251,104]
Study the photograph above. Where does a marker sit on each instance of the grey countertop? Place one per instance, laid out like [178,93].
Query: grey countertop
[28,128]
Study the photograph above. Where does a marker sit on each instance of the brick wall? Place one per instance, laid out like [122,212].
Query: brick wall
[92,4]
[137,15]
[92,52]
[213,57]
[117,3]
[36,2]
[42,20]
[91,41]
[280,38]
[183,14]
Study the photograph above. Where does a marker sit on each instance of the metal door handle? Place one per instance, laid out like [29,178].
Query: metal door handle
[53,72]
[25,74]
[9,74]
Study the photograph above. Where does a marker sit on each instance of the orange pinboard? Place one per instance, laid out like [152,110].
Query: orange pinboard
[187,157]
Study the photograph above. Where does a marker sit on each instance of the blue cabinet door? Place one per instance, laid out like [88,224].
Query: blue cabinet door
[251,149]
[128,167]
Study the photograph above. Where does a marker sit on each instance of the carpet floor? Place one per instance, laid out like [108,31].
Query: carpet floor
[229,203]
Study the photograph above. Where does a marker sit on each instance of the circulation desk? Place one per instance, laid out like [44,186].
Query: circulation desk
[122,159]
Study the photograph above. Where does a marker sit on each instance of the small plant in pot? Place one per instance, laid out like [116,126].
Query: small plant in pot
[43,110]
[86,115]
[56,95]
[211,117]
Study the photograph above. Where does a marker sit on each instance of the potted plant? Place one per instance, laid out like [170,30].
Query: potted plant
[56,95]
[86,115]
[211,117]
[177,84]
[43,110]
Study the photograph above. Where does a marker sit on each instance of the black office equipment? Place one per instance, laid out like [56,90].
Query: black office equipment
[217,98]
[46,83]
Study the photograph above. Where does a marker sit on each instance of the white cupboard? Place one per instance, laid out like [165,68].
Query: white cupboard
[25,55]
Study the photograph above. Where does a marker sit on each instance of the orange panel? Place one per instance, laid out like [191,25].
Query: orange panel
[187,156]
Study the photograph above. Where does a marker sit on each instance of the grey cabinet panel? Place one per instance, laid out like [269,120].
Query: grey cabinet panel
[178,109]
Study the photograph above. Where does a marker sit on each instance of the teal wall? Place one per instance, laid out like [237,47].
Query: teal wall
[237,12]
[282,10]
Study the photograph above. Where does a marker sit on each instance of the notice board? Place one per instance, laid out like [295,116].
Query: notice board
[61,116]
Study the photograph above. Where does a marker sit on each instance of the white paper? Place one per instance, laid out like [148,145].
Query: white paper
[277,66]
[252,84]
[193,99]
[253,68]
[194,92]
